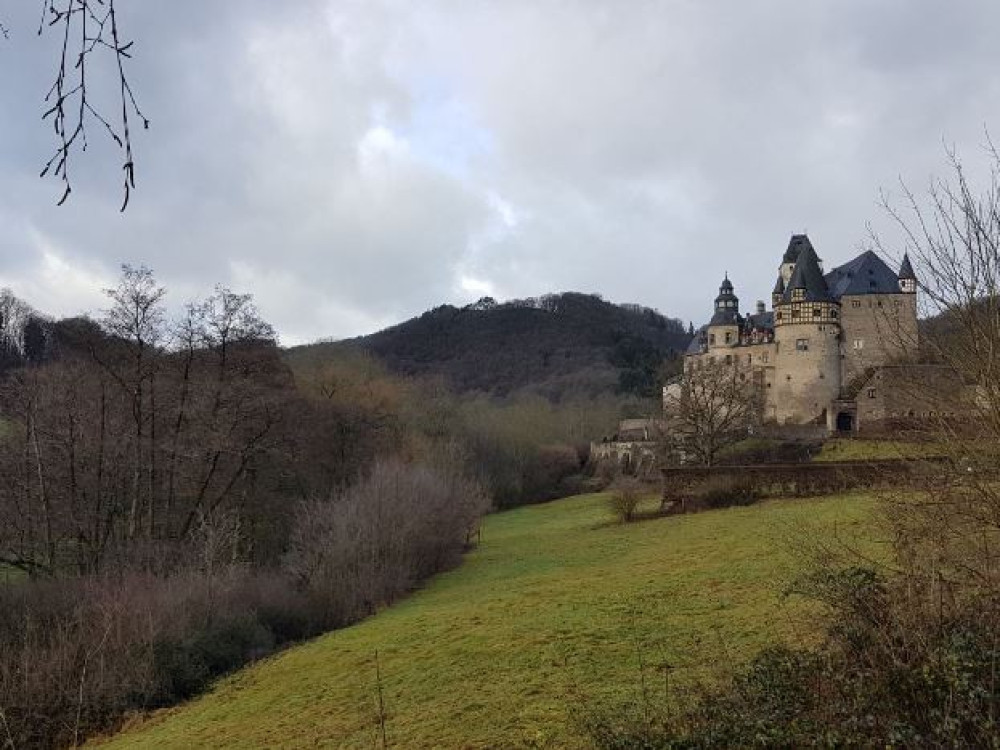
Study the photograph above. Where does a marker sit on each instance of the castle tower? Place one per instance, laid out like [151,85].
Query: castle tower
[807,332]
[907,279]
[795,246]
[724,327]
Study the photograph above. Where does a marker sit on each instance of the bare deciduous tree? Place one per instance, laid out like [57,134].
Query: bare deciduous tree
[953,239]
[714,406]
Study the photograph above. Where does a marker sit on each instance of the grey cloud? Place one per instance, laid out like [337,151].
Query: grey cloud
[352,163]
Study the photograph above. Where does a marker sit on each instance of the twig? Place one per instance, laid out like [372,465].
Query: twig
[87,26]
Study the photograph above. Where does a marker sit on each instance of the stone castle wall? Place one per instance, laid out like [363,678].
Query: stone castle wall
[878,329]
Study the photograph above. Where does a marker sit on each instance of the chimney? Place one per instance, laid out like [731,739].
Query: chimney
[761,307]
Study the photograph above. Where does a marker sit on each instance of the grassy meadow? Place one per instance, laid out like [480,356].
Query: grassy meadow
[862,449]
[552,610]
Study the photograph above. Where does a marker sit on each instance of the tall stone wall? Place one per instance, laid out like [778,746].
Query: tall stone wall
[877,329]
[912,392]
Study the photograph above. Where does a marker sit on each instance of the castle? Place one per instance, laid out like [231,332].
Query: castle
[830,347]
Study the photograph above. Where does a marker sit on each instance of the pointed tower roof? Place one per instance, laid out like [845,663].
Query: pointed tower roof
[779,285]
[906,270]
[808,276]
[796,245]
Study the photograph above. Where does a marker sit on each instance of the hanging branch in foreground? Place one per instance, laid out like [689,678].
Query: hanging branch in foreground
[85,27]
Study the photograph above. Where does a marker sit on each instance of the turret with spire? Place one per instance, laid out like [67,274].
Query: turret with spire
[907,279]
[727,305]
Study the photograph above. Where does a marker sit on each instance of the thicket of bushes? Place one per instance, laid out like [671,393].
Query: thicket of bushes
[79,653]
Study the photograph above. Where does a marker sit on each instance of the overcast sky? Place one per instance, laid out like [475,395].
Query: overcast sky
[355,163]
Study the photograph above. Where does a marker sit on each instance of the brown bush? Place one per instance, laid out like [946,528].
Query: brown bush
[76,655]
[380,537]
[623,501]
[723,492]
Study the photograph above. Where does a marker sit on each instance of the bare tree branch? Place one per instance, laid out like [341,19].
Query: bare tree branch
[86,27]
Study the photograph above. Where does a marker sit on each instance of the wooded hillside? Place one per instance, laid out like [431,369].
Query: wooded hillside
[557,345]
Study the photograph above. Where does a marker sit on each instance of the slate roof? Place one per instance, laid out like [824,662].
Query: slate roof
[779,285]
[760,320]
[866,274]
[808,276]
[726,317]
[796,245]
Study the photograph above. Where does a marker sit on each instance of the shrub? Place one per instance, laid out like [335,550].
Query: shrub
[78,654]
[415,518]
[723,492]
[624,499]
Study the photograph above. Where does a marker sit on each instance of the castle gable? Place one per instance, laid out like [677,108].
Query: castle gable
[866,274]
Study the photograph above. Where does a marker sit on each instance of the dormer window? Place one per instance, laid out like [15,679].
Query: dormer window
[798,294]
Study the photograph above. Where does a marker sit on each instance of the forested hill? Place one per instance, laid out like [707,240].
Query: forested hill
[557,345]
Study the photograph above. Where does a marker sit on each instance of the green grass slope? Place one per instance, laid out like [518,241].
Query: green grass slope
[861,449]
[547,612]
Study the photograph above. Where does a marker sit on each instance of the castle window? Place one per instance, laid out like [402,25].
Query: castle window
[802,345]
[711,339]
[795,313]
[859,343]
[729,337]
[833,314]
[729,359]
[817,312]
[777,316]
[856,303]
[763,357]
[879,303]
[871,393]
